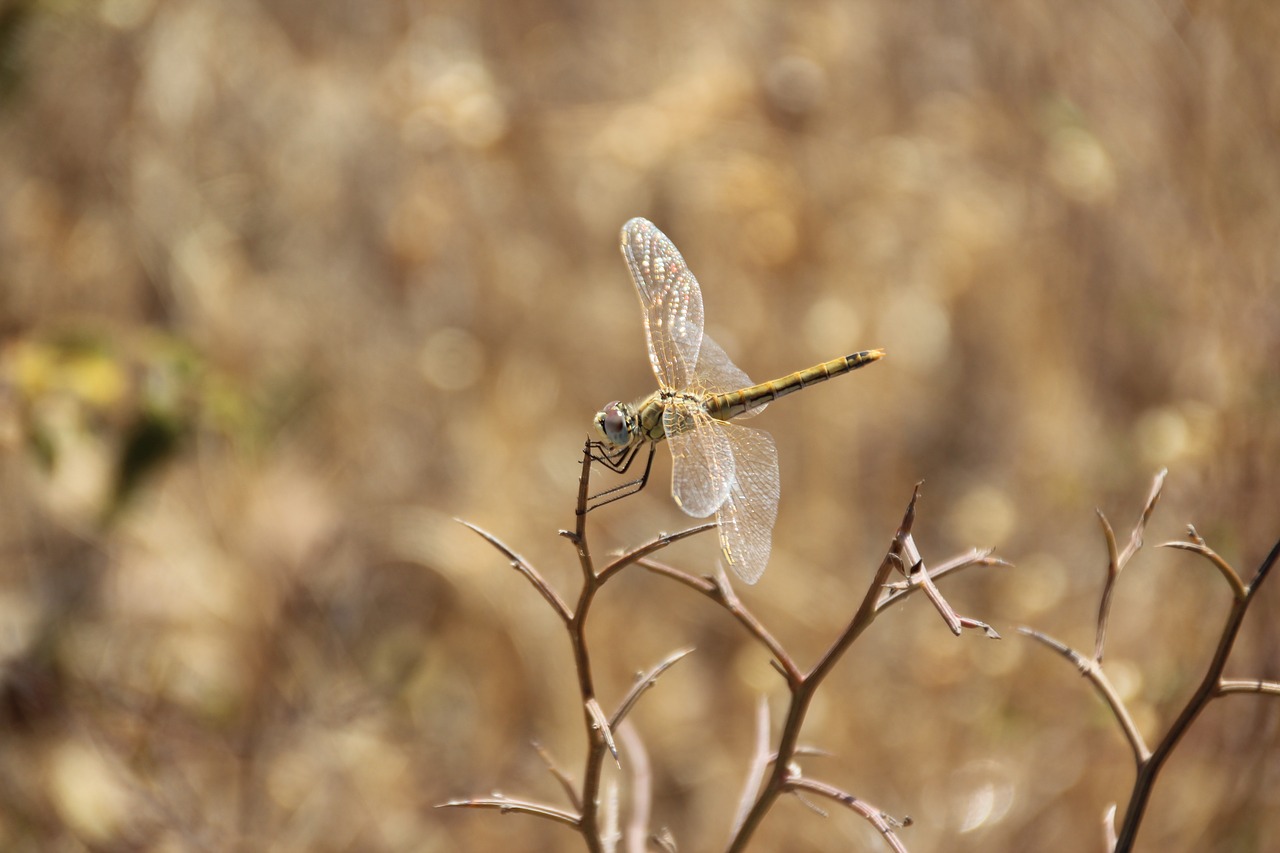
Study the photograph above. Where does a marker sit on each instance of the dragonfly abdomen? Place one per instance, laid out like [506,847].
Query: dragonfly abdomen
[734,403]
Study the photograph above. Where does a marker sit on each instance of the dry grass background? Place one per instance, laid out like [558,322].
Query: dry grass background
[286,286]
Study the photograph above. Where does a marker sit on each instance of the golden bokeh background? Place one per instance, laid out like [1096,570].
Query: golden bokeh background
[285,287]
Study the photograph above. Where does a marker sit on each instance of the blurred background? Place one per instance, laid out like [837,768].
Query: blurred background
[285,287]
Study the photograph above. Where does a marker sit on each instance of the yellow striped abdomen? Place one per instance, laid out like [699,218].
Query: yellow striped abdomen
[734,403]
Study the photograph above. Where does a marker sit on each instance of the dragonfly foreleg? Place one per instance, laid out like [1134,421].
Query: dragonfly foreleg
[617,460]
[620,463]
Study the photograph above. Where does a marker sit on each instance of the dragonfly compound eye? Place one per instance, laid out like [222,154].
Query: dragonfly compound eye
[614,424]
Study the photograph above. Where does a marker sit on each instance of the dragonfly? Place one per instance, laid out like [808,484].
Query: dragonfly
[718,466]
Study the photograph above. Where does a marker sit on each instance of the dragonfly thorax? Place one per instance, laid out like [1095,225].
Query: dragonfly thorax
[629,424]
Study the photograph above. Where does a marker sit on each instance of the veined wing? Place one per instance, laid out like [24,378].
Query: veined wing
[716,374]
[671,300]
[747,515]
[702,467]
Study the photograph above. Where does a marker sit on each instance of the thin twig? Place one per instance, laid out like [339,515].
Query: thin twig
[764,786]
[883,823]
[721,592]
[1237,685]
[1210,687]
[1113,572]
[808,803]
[866,612]
[1092,670]
[1260,576]
[598,735]
[641,783]
[760,759]
[661,541]
[1140,529]
[919,576]
[523,566]
[643,683]
[565,780]
[1150,762]
[578,536]
[917,573]
[975,557]
[1117,560]
[602,725]
[516,807]
[609,808]
[1224,568]
[802,693]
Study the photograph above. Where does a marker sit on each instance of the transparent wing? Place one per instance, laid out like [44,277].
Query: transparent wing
[702,458]
[716,374]
[747,515]
[671,300]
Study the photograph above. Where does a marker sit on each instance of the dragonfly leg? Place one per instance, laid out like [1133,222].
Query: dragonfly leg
[620,463]
[617,460]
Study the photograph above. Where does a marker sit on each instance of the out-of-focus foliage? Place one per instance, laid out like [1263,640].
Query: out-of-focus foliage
[285,287]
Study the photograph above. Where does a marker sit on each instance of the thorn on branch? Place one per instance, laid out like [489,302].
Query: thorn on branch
[601,724]
[505,806]
[565,780]
[644,681]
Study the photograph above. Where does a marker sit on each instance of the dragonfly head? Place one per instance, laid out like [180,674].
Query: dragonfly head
[615,424]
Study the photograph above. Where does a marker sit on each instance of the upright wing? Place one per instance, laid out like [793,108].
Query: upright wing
[671,300]
[716,374]
[747,515]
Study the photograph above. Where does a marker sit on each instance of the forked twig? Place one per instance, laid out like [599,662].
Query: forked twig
[1210,688]
[772,773]
[599,727]
[899,590]
[1119,559]
[918,576]
[1092,670]
[902,555]
[1149,762]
